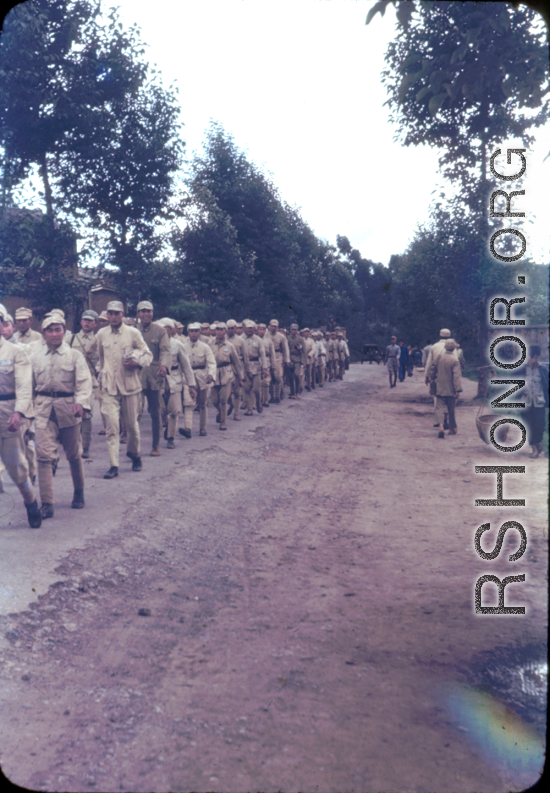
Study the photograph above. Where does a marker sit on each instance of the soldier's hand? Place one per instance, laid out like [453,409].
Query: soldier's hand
[78,410]
[14,422]
[264,373]
[193,392]
[130,364]
[209,379]
[163,371]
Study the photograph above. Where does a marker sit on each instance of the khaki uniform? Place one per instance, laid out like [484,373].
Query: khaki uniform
[180,374]
[26,338]
[15,396]
[228,368]
[271,359]
[436,350]
[321,362]
[121,387]
[333,358]
[61,379]
[445,370]
[86,343]
[310,350]
[237,388]
[203,364]
[298,359]
[282,359]
[256,362]
[343,351]
[157,340]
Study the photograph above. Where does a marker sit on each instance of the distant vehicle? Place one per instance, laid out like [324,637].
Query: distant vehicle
[371,353]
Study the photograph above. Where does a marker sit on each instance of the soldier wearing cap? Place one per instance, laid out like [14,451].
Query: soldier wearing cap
[310,349]
[257,367]
[298,359]
[24,333]
[391,359]
[8,329]
[343,351]
[205,333]
[180,376]
[282,360]
[445,373]
[102,321]
[321,359]
[85,342]
[122,352]
[228,369]
[62,391]
[333,356]
[437,349]
[271,359]
[242,352]
[152,376]
[203,364]
[15,411]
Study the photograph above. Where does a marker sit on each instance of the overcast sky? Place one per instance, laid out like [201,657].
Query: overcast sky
[297,83]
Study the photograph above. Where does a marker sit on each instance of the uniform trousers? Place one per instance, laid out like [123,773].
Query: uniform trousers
[264,385]
[48,439]
[252,391]
[112,408]
[294,377]
[12,453]
[202,402]
[188,404]
[236,397]
[321,371]
[393,367]
[534,420]
[277,373]
[220,395]
[153,403]
[171,411]
[443,405]
[341,368]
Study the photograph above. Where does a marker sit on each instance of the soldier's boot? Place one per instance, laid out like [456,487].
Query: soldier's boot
[188,417]
[86,429]
[203,417]
[78,500]
[223,415]
[77,475]
[45,484]
[33,515]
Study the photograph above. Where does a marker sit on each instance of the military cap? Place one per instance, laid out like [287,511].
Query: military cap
[262,325]
[53,319]
[3,313]
[394,337]
[304,330]
[194,326]
[115,305]
[445,333]
[144,305]
[8,318]
[178,324]
[103,315]
[58,311]
[23,313]
[166,322]
[249,323]
[450,344]
[293,325]
[231,323]
[214,325]
[89,314]
[205,325]
[130,321]
[221,326]
[274,322]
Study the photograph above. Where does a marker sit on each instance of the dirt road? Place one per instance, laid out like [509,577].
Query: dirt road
[284,606]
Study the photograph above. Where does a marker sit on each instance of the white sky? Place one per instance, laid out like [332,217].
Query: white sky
[297,83]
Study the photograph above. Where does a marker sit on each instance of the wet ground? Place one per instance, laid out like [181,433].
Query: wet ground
[284,606]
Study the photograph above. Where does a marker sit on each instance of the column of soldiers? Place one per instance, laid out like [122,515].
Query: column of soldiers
[49,382]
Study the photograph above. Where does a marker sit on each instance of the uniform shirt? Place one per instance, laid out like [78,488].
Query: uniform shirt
[63,369]
[297,350]
[227,362]
[15,378]
[321,351]
[86,343]
[180,372]
[157,340]
[256,354]
[202,361]
[425,353]
[242,350]
[309,344]
[27,337]
[446,372]
[280,344]
[113,344]
[435,351]
[269,349]
[392,351]
[344,349]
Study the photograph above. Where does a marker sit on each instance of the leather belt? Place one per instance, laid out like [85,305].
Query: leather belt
[174,367]
[200,366]
[6,397]
[254,359]
[224,363]
[55,394]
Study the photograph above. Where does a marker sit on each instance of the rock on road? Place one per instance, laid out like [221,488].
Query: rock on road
[305,582]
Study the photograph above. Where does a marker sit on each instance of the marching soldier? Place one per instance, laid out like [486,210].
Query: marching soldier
[242,352]
[205,332]
[203,364]
[15,410]
[343,351]
[62,391]
[122,352]
[333,357]
[152,376]
[271,363]
[180,375]
[309,345]
[228,368]
[391,359]
[257,367]
[321,359]
[102,321]
[282,360]
[24,333]
[86,343]
[298,359]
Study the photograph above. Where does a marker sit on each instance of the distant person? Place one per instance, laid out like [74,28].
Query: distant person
[331,324]
[425,353]
[403,361]
[410,364]
[391,359]
[535,396]
[445,372]
[460,356]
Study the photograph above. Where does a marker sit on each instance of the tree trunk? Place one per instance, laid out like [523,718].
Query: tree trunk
[43,171]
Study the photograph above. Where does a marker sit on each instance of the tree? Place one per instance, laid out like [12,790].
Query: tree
[79,104]
[464,77]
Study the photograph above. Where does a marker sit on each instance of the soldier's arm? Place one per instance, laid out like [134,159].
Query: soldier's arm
[457,380]
[93,356]
[83,381]
[286,351]
[210,362]
[263,358]
[236,363]
[23,384]
[165,353]
[144,356]
[187,370]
